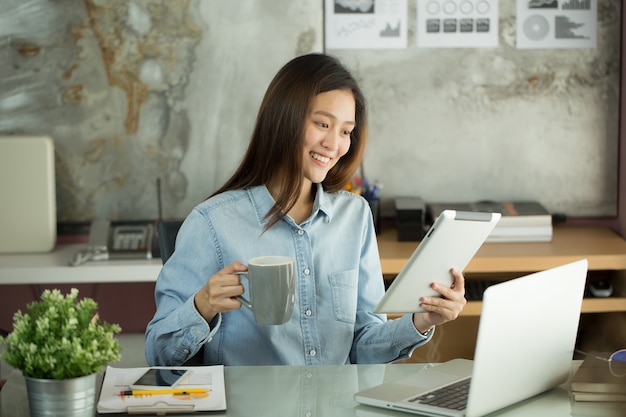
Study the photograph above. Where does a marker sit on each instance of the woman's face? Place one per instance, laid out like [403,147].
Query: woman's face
[328,125]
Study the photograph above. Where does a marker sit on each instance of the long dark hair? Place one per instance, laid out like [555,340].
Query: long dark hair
[276,146]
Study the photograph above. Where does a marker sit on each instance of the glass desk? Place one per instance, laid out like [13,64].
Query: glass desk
[309,391]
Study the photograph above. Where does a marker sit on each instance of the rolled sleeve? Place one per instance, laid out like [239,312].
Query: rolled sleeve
[176,338]
[406,335]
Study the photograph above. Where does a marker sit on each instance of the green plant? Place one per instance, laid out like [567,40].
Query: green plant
[60,337]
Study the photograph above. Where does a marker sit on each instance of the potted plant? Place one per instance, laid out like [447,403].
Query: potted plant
[60,344]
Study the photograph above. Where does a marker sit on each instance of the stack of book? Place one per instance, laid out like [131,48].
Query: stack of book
[598,389]
[521,221]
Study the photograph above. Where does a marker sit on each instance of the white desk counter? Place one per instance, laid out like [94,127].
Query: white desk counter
[54,268]
[311,391]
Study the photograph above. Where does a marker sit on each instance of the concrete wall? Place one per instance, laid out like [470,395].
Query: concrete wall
[135,90]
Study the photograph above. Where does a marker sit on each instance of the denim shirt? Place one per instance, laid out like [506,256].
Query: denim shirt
[338,284]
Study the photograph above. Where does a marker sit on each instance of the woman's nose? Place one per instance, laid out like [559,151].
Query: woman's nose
[331,140]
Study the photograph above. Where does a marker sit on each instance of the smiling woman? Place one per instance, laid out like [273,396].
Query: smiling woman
[292,99]
[326,139]
[287,199]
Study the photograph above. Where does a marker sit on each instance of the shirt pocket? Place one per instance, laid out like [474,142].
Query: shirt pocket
[343,287]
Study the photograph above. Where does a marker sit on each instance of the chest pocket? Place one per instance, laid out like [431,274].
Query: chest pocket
[343,286]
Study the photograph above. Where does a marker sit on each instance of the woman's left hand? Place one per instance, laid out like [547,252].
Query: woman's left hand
[442,309]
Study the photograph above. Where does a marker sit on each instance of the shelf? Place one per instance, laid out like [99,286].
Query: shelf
[590,305]
[603,248]
[53,268]
[603,305]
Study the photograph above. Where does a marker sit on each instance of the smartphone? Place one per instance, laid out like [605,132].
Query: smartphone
[155,378]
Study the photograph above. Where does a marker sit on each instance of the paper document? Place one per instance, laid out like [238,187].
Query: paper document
[369,24]
[551,24]
[205,385]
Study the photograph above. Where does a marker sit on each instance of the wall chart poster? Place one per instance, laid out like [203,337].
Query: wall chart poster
[457,23]
[361,24]
[552,24]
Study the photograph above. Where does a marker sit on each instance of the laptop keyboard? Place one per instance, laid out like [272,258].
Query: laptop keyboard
[453,396]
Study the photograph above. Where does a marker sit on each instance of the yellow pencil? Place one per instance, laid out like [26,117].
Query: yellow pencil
[164,391]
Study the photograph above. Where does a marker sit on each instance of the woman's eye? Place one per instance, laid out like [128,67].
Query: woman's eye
[322,124]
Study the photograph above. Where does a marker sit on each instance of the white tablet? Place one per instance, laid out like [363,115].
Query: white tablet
[451,242]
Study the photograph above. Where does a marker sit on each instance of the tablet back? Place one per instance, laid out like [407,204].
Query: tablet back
[451,242]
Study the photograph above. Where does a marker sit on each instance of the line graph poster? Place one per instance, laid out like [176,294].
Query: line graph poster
[365,24]
[552,24]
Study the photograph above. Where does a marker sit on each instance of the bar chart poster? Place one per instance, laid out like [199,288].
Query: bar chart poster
[365,24]
[555,24]
[457,23]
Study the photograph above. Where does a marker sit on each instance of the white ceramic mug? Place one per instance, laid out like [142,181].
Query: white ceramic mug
[271,288]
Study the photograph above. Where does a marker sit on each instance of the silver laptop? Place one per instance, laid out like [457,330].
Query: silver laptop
[526,337]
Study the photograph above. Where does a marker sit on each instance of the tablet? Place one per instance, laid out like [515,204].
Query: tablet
[451,242]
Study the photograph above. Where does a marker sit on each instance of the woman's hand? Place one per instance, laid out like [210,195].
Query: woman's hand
[219,294]
[442,309]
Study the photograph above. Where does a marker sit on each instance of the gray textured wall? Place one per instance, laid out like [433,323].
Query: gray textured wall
[135,90]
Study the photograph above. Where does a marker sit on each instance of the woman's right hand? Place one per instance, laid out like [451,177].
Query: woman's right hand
[220,293]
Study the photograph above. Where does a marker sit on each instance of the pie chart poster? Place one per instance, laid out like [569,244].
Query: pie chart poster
[551,24]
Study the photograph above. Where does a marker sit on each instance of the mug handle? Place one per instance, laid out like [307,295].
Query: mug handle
[244,301]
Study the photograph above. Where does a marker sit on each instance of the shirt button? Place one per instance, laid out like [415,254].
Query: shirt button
[307,271]
[312,352]
[308,414]
[300,232]
[308,312]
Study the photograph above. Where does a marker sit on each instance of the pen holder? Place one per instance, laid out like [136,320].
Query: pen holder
[375,207]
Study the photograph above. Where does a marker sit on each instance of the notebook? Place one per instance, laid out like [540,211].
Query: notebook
[526,337]
[452,241]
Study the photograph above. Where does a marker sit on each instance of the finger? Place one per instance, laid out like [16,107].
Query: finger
[234,267]
[437,315]
[454,301]
[226,292]
[225,298]
[227,304]
[459,280]
[447,310]
[448,293]
[225,286]
[225,280]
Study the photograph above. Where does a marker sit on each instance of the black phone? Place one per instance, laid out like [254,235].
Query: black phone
[155,378]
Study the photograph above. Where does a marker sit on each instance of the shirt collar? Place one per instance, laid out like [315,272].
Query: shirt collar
[323,202]
[263,201]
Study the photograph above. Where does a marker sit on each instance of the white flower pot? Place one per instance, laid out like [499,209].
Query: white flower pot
[74,397]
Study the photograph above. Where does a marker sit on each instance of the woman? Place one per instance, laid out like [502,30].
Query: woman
[286,198]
